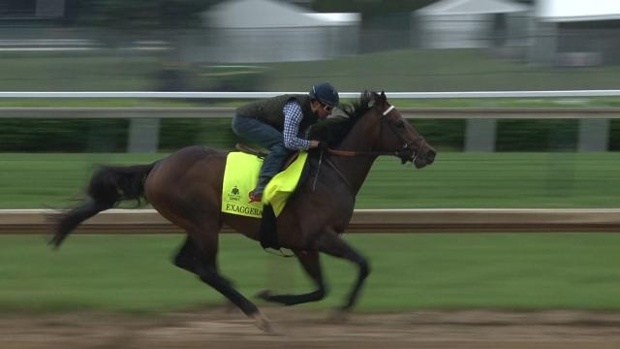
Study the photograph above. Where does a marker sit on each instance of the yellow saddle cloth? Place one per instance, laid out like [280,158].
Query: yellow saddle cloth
[241,176]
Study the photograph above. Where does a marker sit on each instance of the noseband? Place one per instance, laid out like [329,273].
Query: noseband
[406,153]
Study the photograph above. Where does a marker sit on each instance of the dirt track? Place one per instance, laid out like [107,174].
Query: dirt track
[299,328]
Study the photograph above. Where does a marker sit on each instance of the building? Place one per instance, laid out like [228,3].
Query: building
[472,24]
[254,31]
[576,33]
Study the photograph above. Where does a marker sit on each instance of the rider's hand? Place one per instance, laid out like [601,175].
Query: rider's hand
[319,145]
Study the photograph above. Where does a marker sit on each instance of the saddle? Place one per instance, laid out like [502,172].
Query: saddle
[262,154]
[268,235]
[249,150]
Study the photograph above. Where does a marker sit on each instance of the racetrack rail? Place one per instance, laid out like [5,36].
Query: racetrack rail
[226,112]
[148,221]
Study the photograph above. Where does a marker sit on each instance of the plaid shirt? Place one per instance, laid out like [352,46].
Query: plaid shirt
[292,119]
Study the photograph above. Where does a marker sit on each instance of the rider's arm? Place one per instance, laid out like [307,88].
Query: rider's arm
[292,119]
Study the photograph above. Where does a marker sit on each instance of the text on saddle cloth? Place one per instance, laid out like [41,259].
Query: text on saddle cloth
[241,176]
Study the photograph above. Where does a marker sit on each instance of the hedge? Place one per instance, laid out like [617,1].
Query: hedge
[110,135]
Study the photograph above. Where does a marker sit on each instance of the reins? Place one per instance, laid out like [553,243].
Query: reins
[341,152]
[340,174]
[335,168]
[351,153]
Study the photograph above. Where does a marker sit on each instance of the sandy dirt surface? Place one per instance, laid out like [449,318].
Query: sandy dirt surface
[299,328]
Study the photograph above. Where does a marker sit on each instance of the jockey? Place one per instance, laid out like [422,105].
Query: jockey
[279,123]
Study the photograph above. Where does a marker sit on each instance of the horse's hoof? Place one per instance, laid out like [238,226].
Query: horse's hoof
[262,323]
[54,242]
[264,295]
[339,317]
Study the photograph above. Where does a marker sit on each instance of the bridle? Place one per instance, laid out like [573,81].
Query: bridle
[405,153]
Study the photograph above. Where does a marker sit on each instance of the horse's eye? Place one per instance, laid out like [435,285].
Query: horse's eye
[400,124]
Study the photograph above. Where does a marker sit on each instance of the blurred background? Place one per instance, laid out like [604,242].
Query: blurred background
[515,152]
[252,45]
[276,45]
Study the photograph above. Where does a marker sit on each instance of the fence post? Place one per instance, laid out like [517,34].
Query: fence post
[143,135]
[480,135]
[593,135]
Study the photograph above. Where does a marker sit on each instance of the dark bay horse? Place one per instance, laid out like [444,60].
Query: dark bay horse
[186,188]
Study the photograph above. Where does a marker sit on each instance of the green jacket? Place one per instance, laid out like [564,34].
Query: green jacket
[270,111]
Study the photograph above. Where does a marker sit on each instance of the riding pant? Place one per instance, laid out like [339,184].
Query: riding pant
[253,130]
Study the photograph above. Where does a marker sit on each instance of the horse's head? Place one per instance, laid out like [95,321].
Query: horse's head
[373,127]
[393,134]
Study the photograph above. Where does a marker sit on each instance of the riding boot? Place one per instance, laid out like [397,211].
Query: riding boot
[272,164]
[257,193]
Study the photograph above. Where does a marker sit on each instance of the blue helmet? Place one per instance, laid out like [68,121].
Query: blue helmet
[325,93]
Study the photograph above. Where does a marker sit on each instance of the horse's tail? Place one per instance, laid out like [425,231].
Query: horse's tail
[108,186]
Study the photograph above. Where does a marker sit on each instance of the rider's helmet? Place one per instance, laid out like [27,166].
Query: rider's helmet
[325,93]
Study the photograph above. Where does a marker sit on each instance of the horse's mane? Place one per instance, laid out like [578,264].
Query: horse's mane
[334,129]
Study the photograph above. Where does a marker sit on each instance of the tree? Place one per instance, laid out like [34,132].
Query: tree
[141,14]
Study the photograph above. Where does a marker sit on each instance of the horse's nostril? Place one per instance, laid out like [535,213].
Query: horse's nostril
[430,156]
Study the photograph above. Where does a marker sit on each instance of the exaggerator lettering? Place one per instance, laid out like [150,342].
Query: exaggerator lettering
[244,209]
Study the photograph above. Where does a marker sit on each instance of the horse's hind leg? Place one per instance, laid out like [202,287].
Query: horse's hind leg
[187,256]
[206,243]
[311,264]
[187,259]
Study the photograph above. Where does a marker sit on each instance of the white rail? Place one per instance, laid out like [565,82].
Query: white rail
[593,133]
[243,95]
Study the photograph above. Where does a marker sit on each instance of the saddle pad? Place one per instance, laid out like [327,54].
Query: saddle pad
[284,183]
[241,176]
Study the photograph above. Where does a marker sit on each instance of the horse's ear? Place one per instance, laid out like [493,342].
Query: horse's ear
[368,98]
[377,98]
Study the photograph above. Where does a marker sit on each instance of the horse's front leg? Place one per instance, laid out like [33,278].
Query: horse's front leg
[332,244]
[310,262]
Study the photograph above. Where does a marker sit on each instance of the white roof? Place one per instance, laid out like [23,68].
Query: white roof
[468,7]
[577,10]
[268,14]
[337,17]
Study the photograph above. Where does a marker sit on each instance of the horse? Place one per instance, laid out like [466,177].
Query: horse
[186,189]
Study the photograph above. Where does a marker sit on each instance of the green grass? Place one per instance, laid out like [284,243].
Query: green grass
[392,71]
[424,271]
[437,70]
[547,180]
[470,180]
[83,73]
[52,180]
